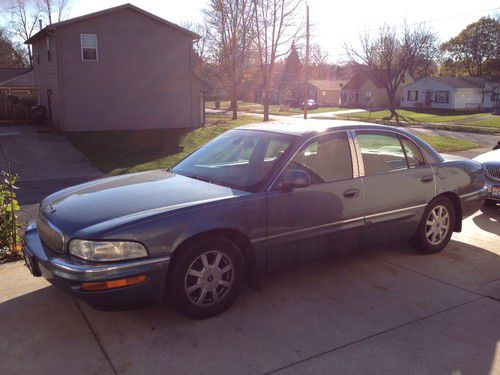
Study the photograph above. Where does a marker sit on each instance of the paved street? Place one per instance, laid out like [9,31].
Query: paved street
[380,310]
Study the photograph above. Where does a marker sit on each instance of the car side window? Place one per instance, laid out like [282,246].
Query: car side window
[326,158]
[382,152]
[413,153]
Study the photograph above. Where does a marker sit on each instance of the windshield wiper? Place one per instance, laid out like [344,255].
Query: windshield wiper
[200,178]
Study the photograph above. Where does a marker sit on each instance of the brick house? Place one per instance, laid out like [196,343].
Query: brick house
[118,69]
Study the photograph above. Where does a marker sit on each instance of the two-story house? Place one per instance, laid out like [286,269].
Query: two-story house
[118,69]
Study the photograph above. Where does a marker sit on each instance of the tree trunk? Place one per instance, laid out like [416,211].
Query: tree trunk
[234,102]
[265,100]
[392,105]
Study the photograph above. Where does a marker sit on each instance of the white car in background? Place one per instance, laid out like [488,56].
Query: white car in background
[491,163]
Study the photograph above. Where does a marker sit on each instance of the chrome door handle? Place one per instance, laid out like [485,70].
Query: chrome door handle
[427,178]
[351,193]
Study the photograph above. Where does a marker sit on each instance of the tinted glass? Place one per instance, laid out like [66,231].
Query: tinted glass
[239,158]
[413,154]
[325,159]
[381,152]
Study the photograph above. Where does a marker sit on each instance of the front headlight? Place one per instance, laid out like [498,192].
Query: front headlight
[106,251]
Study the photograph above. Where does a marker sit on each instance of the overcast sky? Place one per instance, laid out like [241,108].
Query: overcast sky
[335,21]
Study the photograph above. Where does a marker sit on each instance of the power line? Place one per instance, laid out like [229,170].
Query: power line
[420,22]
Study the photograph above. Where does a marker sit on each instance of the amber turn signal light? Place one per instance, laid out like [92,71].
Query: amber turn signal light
[112,284]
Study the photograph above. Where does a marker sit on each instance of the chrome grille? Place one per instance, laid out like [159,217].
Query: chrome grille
[49,234]
[492,170]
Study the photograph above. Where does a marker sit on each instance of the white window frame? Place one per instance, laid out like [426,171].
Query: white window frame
[96,47]
[438,99]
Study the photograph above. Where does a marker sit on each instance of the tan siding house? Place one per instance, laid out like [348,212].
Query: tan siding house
[325,92]
[118,69]
[363,90]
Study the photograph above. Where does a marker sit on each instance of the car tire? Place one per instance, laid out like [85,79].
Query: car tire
[211,269]
[490,203]
[435,228]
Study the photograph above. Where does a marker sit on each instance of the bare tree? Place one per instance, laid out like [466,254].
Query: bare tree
[277,27]
[24,17]
[390,55]
[58,8]
[229,38]
[11,54]
[320,69]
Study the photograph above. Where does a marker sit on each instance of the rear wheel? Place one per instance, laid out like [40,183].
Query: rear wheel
[436,227]
[206,277]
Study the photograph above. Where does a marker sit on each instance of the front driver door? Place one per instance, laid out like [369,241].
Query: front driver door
[313,220]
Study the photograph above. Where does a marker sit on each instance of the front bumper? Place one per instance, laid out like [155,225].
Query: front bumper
[69,273]
[489,184]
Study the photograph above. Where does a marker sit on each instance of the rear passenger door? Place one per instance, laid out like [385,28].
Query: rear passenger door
[314,220]
[398,184]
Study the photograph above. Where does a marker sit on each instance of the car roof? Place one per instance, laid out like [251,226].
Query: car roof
[311,127]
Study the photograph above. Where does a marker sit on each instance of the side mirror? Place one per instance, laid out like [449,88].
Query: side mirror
[294,178]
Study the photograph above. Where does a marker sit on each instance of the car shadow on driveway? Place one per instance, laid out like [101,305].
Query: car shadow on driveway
[304,313]
[489,219]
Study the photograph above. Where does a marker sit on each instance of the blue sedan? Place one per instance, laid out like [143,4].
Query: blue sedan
[252,199]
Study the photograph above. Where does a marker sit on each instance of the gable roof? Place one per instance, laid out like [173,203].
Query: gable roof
[9,73]
[327,84]
[461,82]
[25,80]
[362,76]
[47,29]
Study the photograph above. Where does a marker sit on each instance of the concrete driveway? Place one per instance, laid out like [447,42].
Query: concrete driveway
[381,310]
[45,161]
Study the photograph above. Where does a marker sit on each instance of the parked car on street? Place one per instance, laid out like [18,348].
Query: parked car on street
[491,163]
[256,197]
[311,104]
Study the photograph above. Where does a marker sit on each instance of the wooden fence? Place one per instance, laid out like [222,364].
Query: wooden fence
[16,109]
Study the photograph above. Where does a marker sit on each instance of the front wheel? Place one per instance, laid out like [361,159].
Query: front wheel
[436,227]
[206,277]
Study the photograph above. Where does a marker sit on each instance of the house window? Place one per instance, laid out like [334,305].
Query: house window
[89,47]
[412,95]
[442,97]
[48,48]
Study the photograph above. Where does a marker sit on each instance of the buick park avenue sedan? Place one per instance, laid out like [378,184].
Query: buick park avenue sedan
[253,198]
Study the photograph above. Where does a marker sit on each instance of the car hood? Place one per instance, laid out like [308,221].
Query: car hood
[127,198]
[488,156]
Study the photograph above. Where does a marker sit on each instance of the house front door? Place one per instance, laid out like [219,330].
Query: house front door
[428,98]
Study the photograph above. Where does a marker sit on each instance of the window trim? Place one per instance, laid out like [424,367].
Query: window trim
[96,47]
[401,138]
[409,96]
[354,165]
[438,92]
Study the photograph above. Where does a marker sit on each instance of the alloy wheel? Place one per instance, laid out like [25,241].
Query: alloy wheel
[437,225]
[209,278]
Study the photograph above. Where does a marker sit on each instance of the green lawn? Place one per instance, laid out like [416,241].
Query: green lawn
[447,144]
[459,118]
[244,106]
[132,151]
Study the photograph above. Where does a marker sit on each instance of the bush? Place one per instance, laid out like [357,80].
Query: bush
[9,227]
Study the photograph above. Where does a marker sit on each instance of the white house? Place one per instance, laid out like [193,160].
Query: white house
[452,93]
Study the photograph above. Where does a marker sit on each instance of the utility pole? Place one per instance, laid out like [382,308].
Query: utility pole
[306,64]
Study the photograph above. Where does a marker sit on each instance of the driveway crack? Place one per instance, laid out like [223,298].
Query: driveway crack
[106,355]
[370,336]
[425,275]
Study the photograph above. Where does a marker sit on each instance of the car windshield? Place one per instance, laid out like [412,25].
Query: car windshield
[241,159]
